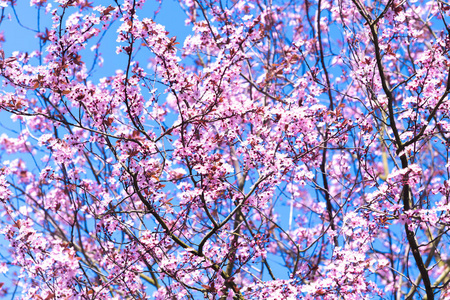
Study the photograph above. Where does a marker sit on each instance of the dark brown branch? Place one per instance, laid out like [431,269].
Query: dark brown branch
[406,192]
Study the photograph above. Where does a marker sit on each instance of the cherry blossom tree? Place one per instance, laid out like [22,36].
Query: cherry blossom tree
[283,150]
